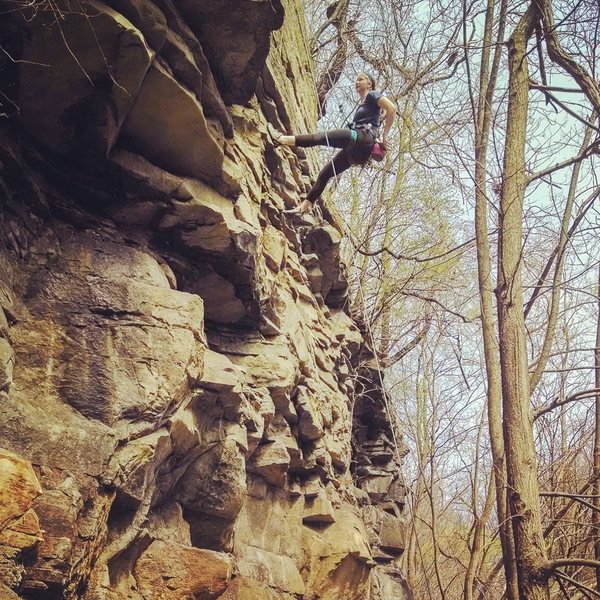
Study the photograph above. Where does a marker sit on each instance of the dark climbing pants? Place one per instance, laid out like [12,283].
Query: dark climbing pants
[356,148]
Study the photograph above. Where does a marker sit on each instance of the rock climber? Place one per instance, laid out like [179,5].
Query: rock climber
[356,142]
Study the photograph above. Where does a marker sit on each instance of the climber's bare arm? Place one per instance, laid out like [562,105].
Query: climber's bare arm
[390,112]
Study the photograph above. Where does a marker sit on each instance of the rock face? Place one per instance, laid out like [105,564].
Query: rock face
[181,416]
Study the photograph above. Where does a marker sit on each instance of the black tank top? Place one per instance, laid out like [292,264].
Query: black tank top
[369,112]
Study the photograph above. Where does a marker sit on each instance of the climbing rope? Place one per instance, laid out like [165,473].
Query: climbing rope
[386,398]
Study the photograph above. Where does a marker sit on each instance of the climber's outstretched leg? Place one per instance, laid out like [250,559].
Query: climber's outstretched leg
[340,163]
[346,139]
[334,168]
[334,138]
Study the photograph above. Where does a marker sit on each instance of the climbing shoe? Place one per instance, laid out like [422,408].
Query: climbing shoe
[302,208]
[274,134]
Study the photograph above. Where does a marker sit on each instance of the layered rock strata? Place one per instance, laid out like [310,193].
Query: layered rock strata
[178,367]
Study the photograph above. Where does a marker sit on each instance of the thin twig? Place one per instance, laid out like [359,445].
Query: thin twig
[581,586]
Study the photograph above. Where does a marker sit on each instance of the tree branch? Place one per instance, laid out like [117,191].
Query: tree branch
[333,71]
[586,153]
[542,361]
[553,88]
[572,497]
[559,56]
[591,393]
[538,287]
[399,256]
[334,17]
[417,339]
[581,586]
[557,563]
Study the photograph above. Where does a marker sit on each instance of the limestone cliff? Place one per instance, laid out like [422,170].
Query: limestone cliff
[188,409]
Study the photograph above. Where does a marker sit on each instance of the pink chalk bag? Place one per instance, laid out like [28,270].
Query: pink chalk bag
[378,152]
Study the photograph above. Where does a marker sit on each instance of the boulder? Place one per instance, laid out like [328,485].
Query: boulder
[256,415]
[7,361]
[147,17]
[246,588]
[269,364]
[324,242]
[19,525]
[222,304]
[388,581]
[80,76]
[212,102]
[163,104]
[276,570]
[271,461]
[235,38]
[220,374]
[136,466]
[388,532]
[171,571]
[318,509]
[310,423]
[339,558]
[111,334]
[270,519]
[274,248]
[376,483]
[279,431]
[215,483]
[206,222]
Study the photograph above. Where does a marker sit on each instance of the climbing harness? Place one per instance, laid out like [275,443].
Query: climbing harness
[378,150]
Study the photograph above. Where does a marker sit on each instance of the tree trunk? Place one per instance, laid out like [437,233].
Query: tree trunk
[487,84]
[521,463]
[476,554]
[596,473]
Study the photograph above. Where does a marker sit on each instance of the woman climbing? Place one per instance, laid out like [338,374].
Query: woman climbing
[356,142]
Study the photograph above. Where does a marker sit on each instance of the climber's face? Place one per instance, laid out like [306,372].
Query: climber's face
[363,83]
